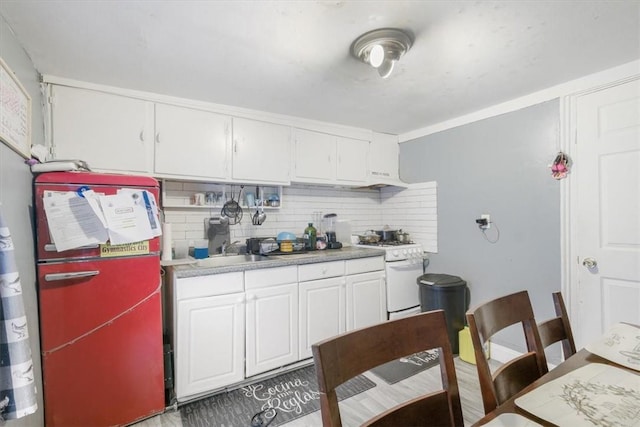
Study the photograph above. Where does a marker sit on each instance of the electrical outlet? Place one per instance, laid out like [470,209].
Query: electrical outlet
[488,218]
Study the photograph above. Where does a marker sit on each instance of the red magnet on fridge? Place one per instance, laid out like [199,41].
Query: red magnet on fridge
[560,167]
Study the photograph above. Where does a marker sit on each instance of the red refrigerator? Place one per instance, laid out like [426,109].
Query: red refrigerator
[100,318]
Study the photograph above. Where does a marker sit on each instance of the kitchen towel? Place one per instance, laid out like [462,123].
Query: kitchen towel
[288,396]
[17,385]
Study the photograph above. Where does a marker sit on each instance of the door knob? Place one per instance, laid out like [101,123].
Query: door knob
[590,262]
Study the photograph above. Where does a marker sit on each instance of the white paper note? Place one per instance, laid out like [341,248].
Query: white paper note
[593,395]
[146,199]
[127,221]
[72,221]
[621,345]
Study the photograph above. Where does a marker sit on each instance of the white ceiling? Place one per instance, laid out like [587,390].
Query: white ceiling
[292,57]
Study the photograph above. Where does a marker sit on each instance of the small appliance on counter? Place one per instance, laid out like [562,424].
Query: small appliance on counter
[218,234]
[330,221]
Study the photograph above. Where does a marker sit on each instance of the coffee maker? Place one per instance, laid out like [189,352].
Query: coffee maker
[329,226]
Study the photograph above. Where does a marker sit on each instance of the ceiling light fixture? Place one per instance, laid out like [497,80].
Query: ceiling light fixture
[381,48]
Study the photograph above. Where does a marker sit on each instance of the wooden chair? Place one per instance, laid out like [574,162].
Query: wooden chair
[558,329]
[485,321]
[343,357]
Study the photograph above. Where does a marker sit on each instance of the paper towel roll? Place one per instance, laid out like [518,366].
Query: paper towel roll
[166,241]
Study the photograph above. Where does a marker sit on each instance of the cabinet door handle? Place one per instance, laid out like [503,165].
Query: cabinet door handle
[251,297]
[142,135]
[158,138]
[240,300]
[235,145]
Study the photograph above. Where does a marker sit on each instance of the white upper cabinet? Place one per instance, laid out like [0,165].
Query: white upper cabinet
[321,158]
[135,133]
[192,143]
[351,164]
[384,159]
[261,152]
[109,132]
[314,156]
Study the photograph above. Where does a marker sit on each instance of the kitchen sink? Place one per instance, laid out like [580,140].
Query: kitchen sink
[225,260]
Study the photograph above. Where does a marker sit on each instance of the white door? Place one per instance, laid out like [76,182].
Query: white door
[191,142]
[366,300]
[607,234]
[322,311]
[210,344]
[272,328]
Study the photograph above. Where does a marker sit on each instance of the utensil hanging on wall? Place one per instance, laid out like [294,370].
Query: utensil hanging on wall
[232,209]
[259,217]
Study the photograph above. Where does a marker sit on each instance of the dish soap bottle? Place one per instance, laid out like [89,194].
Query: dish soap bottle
[310,237]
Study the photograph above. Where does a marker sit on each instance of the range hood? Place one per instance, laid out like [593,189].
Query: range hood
[380,180]
[384,161]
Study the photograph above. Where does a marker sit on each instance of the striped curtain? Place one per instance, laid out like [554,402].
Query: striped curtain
[17,385]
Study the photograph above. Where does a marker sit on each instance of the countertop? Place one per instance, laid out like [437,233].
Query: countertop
[190,268]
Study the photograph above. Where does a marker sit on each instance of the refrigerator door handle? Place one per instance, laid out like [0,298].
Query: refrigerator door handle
[66,276]
[50,247]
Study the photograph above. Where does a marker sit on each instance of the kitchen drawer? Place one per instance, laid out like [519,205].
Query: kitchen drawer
[321,270]
[264,277]
[204,286]
[363,265]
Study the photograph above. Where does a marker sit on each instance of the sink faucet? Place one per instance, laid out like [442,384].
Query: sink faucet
[225,247]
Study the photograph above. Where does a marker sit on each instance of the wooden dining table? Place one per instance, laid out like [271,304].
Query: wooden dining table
[578,360]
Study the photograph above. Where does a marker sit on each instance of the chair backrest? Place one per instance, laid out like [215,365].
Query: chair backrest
[491,317]
[345,356]
[558,328]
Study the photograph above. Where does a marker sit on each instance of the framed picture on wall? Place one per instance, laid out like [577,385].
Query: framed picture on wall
[15,112]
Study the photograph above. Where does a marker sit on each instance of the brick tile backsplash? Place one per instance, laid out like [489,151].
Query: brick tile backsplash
[413,209]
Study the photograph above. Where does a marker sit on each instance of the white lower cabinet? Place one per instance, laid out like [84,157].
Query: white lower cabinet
[322,311]
[208,333]
[272,319]
[230,326]
[366,297]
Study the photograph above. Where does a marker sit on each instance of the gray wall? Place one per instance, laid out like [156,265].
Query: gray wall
[497,166]
[16,199]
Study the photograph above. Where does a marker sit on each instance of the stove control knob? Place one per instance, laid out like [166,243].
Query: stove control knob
[404,252]
[394,253]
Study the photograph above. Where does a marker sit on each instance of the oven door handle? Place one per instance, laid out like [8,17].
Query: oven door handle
[404,265]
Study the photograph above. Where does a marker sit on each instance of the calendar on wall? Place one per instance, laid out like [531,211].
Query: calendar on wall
[15,112]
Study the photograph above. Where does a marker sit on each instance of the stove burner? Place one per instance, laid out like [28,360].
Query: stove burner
[388,243]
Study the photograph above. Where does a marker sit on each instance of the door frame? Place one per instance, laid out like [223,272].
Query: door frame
[569,261]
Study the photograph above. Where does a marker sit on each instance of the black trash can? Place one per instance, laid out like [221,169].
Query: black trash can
[449,293]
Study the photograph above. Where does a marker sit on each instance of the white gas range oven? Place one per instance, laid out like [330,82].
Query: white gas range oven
[403,266]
